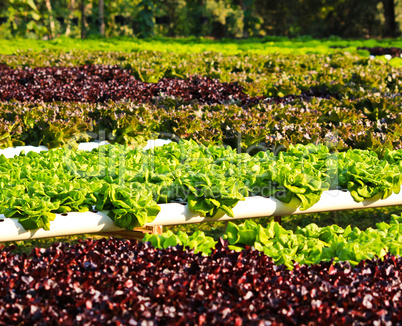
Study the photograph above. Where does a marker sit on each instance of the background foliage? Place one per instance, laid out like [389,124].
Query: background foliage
[213,18]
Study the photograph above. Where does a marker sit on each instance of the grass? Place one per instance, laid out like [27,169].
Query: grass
[265,45]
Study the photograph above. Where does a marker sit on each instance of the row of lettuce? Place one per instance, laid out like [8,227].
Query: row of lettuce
[131,182]
[123,282]
[102,83]
[341,75]
[308,245]
[371,122]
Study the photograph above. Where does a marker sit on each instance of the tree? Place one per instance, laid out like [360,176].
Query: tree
[389,15]
[145,19]
[82,19]
[71,8]
[101,18]
[51,18]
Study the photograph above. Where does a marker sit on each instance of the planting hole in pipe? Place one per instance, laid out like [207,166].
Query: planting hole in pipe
[1,219]
[63,214]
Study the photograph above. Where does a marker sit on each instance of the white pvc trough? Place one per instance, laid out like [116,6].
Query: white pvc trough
[173,214]
[13,151]
[254,207]
[63,225]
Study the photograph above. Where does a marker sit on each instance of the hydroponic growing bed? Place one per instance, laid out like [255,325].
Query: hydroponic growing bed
[256,134]
[137,188]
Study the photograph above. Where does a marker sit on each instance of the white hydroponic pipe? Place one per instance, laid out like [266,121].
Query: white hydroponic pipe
[14,151]
[173,214]
[63,225]
[253,207]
